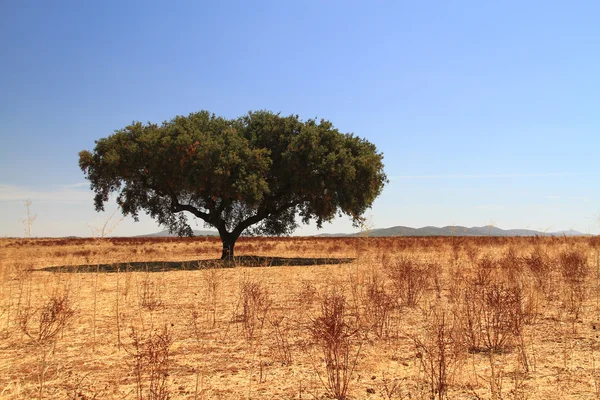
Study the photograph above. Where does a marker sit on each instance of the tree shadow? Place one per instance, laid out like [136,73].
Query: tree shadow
[164,266]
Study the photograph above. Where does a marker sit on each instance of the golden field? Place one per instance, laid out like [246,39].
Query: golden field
[300,318]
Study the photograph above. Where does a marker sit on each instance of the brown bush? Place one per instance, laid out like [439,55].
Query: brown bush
[150,361]
[377,303]
[43,325]
[439,351]
[574,269]
[255,305]
[539,265]
[409,279]
[491,316]
[336,339]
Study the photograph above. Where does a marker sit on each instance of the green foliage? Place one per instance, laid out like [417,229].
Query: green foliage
[259,171]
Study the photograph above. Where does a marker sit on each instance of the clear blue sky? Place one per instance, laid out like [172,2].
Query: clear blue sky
[487,112]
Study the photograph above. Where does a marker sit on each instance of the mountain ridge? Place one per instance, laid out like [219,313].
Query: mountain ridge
[450,230]
[457,230]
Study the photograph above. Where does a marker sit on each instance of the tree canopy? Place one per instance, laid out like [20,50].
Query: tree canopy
[251,174]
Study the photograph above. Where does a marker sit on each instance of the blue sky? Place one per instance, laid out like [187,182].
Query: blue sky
[486,112]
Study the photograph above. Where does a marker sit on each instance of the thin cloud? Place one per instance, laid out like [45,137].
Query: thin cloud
[491,207]
[583,199]
[70,193]
[76,185]
[478,176]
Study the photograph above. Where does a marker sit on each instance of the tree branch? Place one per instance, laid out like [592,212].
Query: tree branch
[177,207]
[259,216]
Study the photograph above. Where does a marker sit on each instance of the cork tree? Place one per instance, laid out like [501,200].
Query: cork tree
[261,173]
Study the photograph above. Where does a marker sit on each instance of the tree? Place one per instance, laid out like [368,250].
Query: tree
[251,174]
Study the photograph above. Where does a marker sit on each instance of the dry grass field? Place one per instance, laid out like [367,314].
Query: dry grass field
[311,318]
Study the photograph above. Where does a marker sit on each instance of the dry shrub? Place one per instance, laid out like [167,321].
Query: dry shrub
[409,279]
[150,295]
[574,266]
[255,306]
[574,269]
[468,311]
[84,387]
[491,312]
[282,331]
[456,284]
[497,378]
[150,358]
[511,264]
[198,332]
[43,324]
[455,246]
[539,265]
[307,295]
[395,388]
[436,271]
[531,303]
[305,299]
[527,277]
[502,319]
[212,278]
[486,269]
[439,351]
[338,344]
[472,252]
[377,303]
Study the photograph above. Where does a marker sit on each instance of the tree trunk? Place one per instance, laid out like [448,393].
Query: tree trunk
[228,239]
[228,244]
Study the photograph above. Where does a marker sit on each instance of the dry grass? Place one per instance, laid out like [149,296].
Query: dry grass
[404,318]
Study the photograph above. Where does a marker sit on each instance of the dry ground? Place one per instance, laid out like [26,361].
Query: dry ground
[407,318]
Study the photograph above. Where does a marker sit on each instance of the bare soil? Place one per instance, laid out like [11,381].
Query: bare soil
[163,318]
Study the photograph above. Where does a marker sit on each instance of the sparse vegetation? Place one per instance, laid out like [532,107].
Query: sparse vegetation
[150,363]
[411,318]
[409,279]
[337,341]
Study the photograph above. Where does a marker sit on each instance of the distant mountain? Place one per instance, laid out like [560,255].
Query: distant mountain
[463,231]
[425,231]
[167,234]
[334,234]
